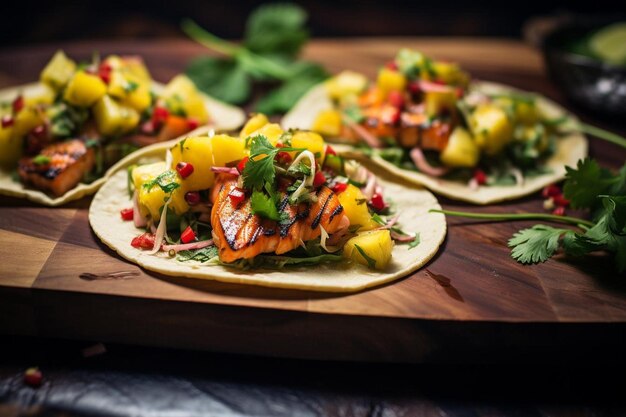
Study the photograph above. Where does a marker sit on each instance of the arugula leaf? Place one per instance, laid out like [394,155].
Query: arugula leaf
[535,244]
[264,205]
[371,262]
[276,28]
[220,78]
[166,181]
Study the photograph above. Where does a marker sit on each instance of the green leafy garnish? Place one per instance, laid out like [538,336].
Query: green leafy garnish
[371,262]
[41,160]
[260,169]
[415,242]
[131,86]
[199,255]
[264,205]
[535,244]
[166,181]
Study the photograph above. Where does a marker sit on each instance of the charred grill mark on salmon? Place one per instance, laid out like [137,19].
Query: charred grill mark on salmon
[240,234]
[58,167]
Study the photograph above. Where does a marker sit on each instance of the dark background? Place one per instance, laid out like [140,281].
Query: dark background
[27,22]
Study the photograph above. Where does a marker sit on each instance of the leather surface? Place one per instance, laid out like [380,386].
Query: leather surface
[157,382]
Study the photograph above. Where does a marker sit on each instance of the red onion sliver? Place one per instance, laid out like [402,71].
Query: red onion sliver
[370,187]
[402,238]
[225,170]
[364,134]
[187,246]
[422,164]
[138,219]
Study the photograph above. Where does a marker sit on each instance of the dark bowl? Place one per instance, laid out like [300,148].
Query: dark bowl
[593,84]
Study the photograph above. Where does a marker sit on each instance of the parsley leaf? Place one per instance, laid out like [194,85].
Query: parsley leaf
[535,244]
[264,205]
[371,262]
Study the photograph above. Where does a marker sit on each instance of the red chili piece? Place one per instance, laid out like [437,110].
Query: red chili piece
[561,201]
[559,211]
[339,187]
[242,164]
[104,72]
[377,202]
[185,169]
[7,121]
[319,179]
[283,157]
[127,214]
[236,195]
[480,177]
[550,191]
[392,65]
[159,115]
[396,99]
[33,377]
[18,104]
[192,123]
[145,241]
[188,235]
[192,198]
[330,150]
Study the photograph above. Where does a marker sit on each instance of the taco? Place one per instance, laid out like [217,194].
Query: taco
[270,207]
[424,121]
[59,136]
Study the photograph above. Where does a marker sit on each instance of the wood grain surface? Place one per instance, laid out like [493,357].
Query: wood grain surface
[58,280]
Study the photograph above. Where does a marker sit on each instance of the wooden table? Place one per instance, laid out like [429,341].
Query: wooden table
[471,302]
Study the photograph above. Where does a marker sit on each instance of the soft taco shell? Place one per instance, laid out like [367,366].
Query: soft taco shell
[412,204]
[570,148]
[226,118]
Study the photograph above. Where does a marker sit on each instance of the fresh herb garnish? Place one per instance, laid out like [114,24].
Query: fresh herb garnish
[260,169]
[371,262]
[415,242]
[131,86]
[41,160]
[274,36]
[379,219]
[199,255]
[166,181]
[264,205]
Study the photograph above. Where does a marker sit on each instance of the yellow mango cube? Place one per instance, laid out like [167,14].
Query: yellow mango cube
[84,89]
[58,71]
[450,73]
[346,83]
[272,131]
[198,152]
[182,97]
[113,118]
[152,196]
[255,123]
[26,120]
[461,150]
[10,148]
[37,94]
[390,80]
[227,149]
[438,102]
[328,123]
[354,205]
[311,141]
[491,127]
[372,249]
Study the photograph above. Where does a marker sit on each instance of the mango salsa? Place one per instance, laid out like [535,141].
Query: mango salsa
[58,71]
[372,249]
[346,83]
[491,127]
[328,123]
[152,197]
[255,123]
[10,148]
[390,80]
[311,141]
[182,97]
[227,149]
[113,118]
[272,131]
[198,152]
[37,94]
[84,89]
[461,150]
[355,207]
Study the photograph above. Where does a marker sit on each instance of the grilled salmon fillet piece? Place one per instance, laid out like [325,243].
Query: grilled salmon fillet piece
[58,167]
[240,234]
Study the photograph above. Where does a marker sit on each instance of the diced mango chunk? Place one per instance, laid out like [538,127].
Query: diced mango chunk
[227,149]
[26,120]
[272,131]
[58,71]
[346,83]
[152,196]
[84,89]
[372,249]
[328,123]
[182,97]
[198,152]
[10,148]
[440,101]
[450,73]
[311,141]
[253,124]
[113,118]
[355,207]
[390,80]
[461,150]
[491,127]
[39,93]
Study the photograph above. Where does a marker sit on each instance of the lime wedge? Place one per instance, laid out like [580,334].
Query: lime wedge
[609,43]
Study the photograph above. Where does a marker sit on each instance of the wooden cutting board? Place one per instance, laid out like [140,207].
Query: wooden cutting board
[471,302]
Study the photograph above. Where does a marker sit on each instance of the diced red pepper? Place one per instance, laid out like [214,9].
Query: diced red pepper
[159,115]
[550,191]
[283,158]
[7,121]
[280,145]
[127,214]
[396,99]
[145,241]
[330,150]
[188,235]
[18,104]
[392,65]
[559,211]
[480,177]
[192,123]
[377,202]
[242,164]
[236,195]
[33,377]
[185,169]
[319,179]
[192,197]
[561,201]
[339,187]
[104,72]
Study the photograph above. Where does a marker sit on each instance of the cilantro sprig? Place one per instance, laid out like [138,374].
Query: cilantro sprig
[273,38]
[589,187]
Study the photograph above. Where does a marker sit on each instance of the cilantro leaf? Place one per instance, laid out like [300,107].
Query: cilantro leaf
[200,255]
[264,205]
[223,79]
[585,183]
[260,169]
[535,244]
[371,262]
[275,28]
[166,181]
